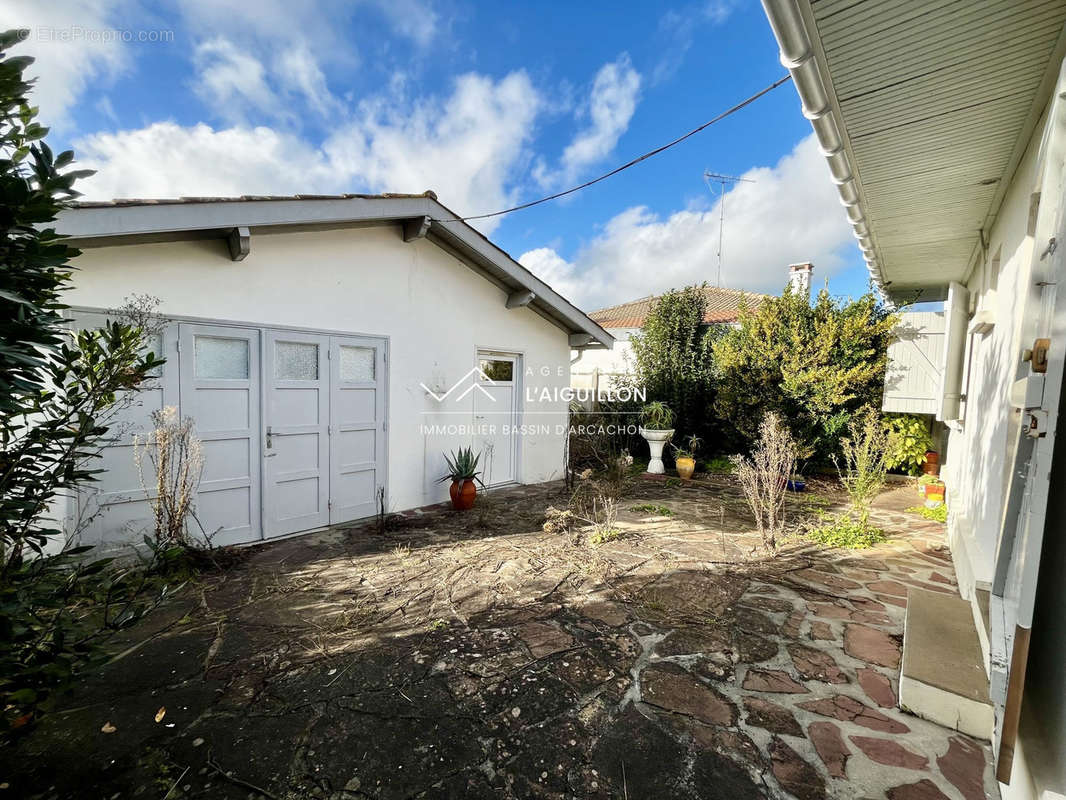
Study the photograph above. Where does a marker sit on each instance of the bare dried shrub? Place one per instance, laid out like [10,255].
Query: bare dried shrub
[172,455]
[557,521]
[764,477]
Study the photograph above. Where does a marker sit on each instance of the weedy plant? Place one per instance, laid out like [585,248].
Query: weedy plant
[863,468]
[862,472]
[763,477]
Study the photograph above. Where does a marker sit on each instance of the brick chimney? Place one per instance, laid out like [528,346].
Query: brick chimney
[799,278]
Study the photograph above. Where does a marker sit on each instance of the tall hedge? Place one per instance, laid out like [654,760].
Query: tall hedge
[673,360]
[815,364]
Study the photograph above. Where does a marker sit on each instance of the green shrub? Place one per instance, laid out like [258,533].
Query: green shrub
[719,465]
[937,514]
[844,531]
[908,441]
[672,361]
[814,364]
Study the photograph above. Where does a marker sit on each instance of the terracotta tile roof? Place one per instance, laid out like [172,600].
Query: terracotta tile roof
[723,306]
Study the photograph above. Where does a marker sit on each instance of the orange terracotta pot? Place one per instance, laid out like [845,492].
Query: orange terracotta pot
[463,495]
[685,468]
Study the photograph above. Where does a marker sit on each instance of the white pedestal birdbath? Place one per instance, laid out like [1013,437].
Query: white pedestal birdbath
[656,442]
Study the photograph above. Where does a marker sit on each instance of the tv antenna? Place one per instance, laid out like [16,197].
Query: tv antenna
[722,181]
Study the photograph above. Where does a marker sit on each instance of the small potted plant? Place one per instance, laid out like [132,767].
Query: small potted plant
[463,473]
[685,457]
[934,493]
[656,419]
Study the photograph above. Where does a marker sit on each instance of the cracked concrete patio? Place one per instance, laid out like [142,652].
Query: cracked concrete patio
[446,658]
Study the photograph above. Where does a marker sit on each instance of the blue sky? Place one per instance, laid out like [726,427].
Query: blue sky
[487,104]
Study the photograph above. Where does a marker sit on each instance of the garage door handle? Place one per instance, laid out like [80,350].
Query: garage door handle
[270,455]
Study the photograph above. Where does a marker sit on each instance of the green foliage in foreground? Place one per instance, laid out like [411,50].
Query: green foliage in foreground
[844,531]
[57,395]
[938,514]
[652,508]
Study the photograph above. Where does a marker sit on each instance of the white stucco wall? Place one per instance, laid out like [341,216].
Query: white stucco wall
[980,455]
[979,449]
[435,311]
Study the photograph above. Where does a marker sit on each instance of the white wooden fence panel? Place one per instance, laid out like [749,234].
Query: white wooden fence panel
[915,363]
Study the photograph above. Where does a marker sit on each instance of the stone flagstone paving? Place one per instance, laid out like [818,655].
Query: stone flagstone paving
[479,657]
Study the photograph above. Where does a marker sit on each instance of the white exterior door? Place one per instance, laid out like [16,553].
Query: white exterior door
[219,389]
[296,432]
[357,426]
[496,416]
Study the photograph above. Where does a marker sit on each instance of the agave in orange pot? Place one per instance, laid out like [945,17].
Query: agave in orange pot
[464,474]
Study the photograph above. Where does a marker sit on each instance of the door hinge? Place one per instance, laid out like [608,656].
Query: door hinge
[329,430]
[329,355]
[384,426]
[329,505]
[177,344]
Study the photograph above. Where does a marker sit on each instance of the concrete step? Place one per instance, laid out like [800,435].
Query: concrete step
[943,677]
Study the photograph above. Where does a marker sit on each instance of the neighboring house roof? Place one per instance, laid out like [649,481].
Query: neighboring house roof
[723,306]
[923,111]
[238,219]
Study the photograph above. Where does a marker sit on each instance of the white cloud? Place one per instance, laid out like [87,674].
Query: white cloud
[299,72]
[168,160]
[73,49]
[468,148]
[677,30]
[790,213]
[233,82]
[610,107]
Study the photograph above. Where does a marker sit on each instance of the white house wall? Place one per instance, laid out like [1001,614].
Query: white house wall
[980,447]
[435,311]
[980,454]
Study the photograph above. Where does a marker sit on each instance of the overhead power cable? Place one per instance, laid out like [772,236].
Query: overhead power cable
[628,164]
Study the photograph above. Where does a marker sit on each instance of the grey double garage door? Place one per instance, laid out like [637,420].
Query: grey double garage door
[292,425]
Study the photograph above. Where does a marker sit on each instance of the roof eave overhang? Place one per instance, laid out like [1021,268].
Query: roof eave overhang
[801,55]
[123,224]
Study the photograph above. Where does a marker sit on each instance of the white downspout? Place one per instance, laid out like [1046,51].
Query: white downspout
[958,313]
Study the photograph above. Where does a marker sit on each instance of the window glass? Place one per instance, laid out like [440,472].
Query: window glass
[357,363]
[493,370]
[216,357]
[296,361]
[153,343]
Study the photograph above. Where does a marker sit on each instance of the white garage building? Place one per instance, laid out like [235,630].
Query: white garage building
[330,350]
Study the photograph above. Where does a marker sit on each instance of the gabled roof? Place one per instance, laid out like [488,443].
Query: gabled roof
[723,306]
[238,219]
[923,110]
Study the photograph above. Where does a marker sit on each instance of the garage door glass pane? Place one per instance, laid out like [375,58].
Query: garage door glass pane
[357,363]
[497,370]
[154,344]
[221,358]
[296,361]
